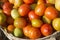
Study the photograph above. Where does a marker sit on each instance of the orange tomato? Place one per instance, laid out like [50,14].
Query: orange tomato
[51,13]
[10,28]
[24,9]
[39,10]
[46,29]
[28,1]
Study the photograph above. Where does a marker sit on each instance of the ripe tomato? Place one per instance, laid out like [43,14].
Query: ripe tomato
[32,15]
[31,32]
[10,28]
[28,1]
[26,30]
[34,33]
[7,8]
[39,10]
[24,9]
[46,29]
[51,13]
[20,22]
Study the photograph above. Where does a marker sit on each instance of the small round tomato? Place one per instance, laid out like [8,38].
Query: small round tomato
[40,2]
[39,10]
[26,30]
[20,22]
[36,23]
[7,8]
[34,33]
[32,15]
[10,20]
[24,9]
[10,28]
[51,13]
[56,24]
[46,29]
[28,1]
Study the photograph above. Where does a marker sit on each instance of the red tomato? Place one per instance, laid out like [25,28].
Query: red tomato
[28,1]
[32,15]
[7,8]
[51,13]
[24,9]
[39,10]
[46,29]
[34,33]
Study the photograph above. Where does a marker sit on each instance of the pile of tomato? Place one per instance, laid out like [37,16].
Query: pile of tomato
[29,18]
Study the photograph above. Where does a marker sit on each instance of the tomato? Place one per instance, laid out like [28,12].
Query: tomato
[32,15]
[46,29]
[10,28]
[56,24]
[18,32]
[39,10]
[40,2]
[51,13]
[24,9]
[36,23]
[20,22]
[7,8]
[31,32]
[26,30]
[34,33]
[28,1]
[10,20]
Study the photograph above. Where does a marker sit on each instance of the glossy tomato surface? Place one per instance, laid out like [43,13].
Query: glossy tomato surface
[51,13]
[32,15]
[46,29]
[24,9]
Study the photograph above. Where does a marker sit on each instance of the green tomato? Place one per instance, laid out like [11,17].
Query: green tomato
[33,6]
[15,14]
[2,18]
[17,3]
[18,32]
[46,20]
[36,23]
[56,24]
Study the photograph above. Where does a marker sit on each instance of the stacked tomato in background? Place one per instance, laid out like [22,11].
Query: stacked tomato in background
[30,18]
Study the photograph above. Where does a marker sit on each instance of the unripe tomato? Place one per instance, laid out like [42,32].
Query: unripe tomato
[51,13]
[20,22]
[39,10]
[32,15]
[28,1]
[56,24]
[7,8]
[24,9]
[36,23]
[46,29]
